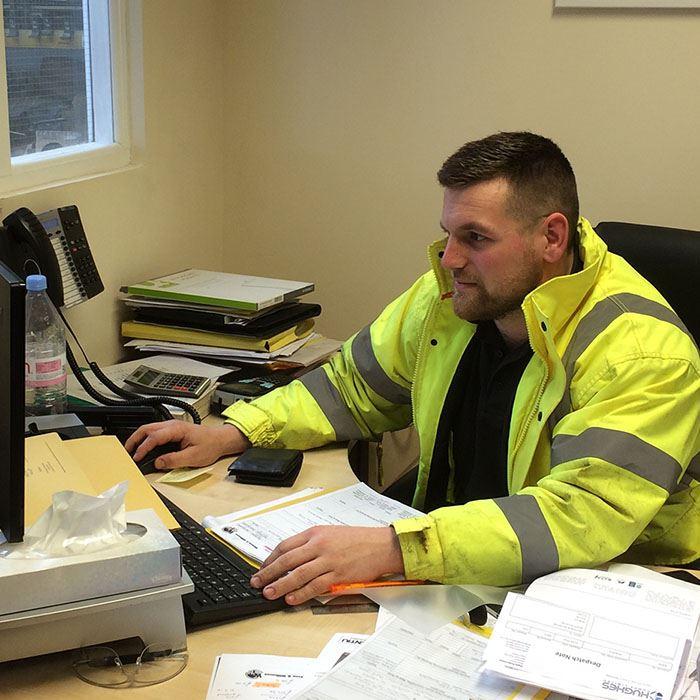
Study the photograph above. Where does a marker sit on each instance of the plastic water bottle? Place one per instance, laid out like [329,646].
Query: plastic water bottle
[45,365]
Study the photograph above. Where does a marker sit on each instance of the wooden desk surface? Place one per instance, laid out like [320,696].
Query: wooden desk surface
[293,632]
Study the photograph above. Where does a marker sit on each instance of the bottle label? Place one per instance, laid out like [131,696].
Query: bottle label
[49,371]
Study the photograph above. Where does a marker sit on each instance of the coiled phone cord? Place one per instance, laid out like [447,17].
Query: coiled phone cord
[129,398]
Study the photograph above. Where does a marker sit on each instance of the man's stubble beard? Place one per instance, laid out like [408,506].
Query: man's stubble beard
[479,305]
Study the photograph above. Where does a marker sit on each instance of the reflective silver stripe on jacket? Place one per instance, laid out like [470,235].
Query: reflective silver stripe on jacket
[371,371]
[537,546]
[622,449]
[594,323]
[692,472]
[331,403]
[693,469]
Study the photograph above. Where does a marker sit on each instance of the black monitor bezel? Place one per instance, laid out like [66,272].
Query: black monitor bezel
[12,363]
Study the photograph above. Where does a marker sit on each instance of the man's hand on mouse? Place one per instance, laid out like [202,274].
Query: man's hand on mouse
[308,564]
[200,445]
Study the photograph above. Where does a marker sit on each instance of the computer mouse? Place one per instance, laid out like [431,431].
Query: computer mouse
[147,465]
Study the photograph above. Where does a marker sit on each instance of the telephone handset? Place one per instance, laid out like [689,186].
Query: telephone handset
[28,251]
[53,244]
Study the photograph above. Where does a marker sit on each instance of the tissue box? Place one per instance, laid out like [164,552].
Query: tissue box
[150,561]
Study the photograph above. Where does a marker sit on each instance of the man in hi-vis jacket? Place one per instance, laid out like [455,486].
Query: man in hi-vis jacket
[555,393]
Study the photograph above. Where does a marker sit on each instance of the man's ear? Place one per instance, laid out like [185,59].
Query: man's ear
[556,231]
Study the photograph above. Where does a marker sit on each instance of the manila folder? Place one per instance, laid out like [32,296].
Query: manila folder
[88,465]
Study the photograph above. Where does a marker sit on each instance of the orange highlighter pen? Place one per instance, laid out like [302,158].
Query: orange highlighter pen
[341,587]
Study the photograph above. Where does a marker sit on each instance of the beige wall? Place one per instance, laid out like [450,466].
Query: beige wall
[339,112]
[300,138]
[165,214]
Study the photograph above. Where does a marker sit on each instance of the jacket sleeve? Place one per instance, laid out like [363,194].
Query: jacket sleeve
[614,460]
[363,391]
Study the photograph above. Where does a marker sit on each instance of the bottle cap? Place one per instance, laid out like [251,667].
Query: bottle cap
[36,283]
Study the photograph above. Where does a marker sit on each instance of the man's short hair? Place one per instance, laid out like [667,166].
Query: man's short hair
[540,176]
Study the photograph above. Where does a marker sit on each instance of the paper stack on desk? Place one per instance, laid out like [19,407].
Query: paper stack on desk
[301,354]
[227,318]
[221,310]
[624,632]
[397,661]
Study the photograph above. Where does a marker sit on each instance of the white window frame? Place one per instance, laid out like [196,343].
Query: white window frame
[108,152]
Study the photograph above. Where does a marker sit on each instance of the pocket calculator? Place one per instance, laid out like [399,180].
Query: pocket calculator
[147,380]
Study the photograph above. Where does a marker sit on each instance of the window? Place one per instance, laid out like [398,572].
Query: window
[65,70]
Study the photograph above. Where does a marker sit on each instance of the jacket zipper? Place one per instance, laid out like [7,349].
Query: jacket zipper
[419,357]
[540,394]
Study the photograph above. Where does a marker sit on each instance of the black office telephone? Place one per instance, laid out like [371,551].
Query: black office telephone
[52,244]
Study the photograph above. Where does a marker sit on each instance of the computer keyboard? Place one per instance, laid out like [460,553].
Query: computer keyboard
[221,578]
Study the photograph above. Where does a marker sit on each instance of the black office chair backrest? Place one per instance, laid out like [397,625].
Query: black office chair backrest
[668,257]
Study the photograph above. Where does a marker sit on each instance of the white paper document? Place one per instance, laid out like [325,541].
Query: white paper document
[688,685]
[689,678]
[244,676]
[300,353]
[426,608]
[212,521]
[276,677]
[597,634]
[217,352]
[257,536]
[400,662]
[339,647]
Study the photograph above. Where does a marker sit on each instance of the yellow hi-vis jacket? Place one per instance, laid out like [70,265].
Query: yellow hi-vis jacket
[603,452]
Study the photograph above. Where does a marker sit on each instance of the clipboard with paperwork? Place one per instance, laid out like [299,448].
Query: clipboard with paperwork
[256,536]
[88,465]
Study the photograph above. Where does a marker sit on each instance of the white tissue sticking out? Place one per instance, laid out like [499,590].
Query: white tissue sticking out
[76,523]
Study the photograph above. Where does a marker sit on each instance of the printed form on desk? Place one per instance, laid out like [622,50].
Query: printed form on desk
[400,662]
[357,505]
[266,677]
[620,633]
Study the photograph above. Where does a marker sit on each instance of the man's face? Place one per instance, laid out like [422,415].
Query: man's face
[494,260]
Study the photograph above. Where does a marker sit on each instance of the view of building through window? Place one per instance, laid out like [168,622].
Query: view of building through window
[48,74]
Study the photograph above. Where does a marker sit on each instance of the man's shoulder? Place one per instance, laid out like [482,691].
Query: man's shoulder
[626,313]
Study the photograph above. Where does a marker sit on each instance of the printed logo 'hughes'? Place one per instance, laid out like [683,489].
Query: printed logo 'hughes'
[632,691]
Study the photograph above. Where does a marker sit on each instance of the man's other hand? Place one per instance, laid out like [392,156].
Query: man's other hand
[308,564]
[200,445]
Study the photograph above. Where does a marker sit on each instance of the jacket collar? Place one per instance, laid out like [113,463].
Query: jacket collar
[556,300]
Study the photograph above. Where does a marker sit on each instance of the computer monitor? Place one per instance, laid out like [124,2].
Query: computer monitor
[12,300]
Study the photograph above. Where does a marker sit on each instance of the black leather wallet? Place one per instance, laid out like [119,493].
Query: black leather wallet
[266,466]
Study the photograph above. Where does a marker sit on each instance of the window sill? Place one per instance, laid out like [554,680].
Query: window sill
[41,172]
